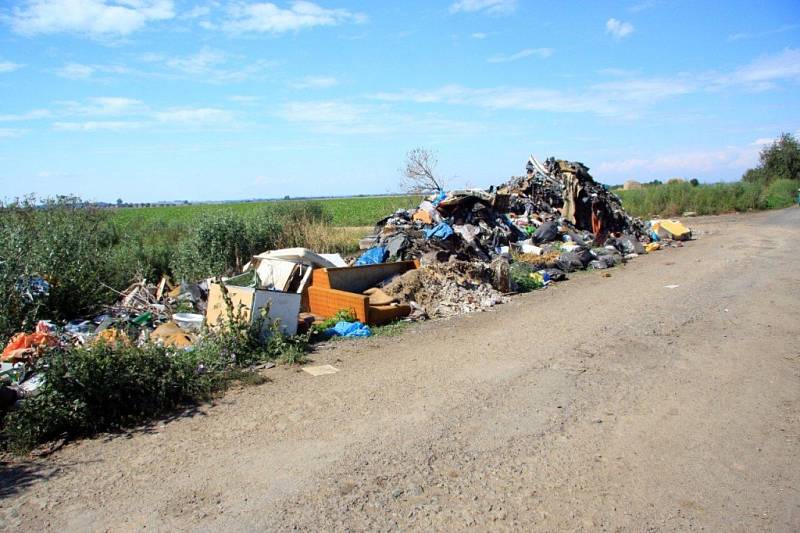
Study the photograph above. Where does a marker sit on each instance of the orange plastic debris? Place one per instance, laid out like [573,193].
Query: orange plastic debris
[112,336]
[26,341]
[423,216]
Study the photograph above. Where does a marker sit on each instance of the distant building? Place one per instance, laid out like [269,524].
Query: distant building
[631,185]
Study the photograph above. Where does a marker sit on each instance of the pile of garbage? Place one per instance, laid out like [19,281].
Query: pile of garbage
[144,312]
[528,232]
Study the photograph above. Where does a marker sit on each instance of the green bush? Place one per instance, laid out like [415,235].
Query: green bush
[521,276]
[781,193]
[67,244]
[778,161]
[221,244]
[149,247]
[106,387]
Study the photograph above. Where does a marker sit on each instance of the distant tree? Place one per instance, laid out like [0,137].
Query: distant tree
[419,174]
[119,202]
[780,160]
[694,182]
[287,197]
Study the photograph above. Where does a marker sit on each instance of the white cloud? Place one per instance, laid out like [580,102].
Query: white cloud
[726,162]
[618,29]
[616,72]
[8,133]
[622,99]
[201,116]
[755,35]
[762,74]
[643,6]
[36,114]
[88,17]
[316,82]
[626,97]
[267,17]
[479,35]
[196,12]
[8,66]
[527,52]
[75,71]
[323,112]
[342,118]
[130,114]
[104,106]
[92,125]
[199,63]
[765,70]
[244,99]
[492,7]
[208,65]
[80,71]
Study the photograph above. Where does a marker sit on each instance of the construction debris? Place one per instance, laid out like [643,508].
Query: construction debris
[555,220]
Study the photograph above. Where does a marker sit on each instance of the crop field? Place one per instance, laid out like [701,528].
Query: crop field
[348,212]
[362,211]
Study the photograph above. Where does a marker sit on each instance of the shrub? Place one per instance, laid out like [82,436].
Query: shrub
[106,387]
[67,244]
[778,161]
[220,244]
[521,276]
[781,193]
[149,247]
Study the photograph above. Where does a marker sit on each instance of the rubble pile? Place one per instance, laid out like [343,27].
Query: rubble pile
[557,219]
[447,289]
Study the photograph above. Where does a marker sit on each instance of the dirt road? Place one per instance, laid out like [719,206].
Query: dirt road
[604,403]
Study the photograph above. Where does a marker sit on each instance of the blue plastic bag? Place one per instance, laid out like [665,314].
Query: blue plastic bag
[442,231]
[439,197]
[373,256]
[349,329]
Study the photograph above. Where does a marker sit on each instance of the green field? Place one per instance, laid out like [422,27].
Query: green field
[660,200]
[353,211]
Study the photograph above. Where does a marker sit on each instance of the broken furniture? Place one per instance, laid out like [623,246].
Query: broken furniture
[336,289]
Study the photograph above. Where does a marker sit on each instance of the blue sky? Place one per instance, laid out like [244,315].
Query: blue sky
[209,100]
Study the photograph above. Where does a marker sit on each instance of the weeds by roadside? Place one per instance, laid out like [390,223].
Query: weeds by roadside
[392,329]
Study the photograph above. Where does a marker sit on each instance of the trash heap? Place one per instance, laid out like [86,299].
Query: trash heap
[475,245]
[143,312]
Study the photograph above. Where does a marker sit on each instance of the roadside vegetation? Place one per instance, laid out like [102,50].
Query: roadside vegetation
[772,184]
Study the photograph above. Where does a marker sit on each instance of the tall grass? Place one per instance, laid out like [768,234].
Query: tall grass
[675,199]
